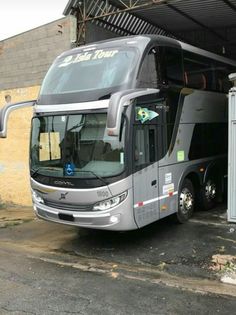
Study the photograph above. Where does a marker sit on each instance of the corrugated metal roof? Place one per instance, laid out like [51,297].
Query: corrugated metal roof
[209,24]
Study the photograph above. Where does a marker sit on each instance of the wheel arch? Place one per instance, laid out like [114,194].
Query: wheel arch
[194,177]
[216,171]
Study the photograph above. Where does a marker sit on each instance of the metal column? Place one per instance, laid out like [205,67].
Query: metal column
[232,152]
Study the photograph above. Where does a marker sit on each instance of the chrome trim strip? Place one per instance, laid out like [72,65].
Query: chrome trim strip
[137,205]
[71,107]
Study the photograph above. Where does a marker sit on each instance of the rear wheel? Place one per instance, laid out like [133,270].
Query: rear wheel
[186,201]
[208,195]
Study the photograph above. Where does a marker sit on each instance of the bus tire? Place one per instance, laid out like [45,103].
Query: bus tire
[186,201]
[208,194]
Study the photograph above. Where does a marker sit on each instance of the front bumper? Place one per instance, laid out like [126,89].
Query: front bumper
[119,218]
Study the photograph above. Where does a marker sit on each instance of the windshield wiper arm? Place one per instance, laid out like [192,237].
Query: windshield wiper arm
[96,175]
[76,126]
[34,171]
[99,177]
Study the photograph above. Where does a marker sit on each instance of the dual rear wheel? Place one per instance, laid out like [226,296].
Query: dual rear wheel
[207,197]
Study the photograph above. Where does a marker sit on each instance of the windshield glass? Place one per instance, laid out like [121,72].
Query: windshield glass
[75,145]
[88,75]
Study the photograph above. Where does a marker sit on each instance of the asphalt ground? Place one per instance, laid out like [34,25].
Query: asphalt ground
[180,249]
[167,267]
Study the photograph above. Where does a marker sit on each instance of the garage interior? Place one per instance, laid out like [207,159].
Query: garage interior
[208,24]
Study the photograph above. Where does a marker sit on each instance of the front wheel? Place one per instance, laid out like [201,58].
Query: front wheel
[186,201]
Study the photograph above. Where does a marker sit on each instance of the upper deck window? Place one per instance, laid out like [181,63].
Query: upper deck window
[148,75]
[77,76]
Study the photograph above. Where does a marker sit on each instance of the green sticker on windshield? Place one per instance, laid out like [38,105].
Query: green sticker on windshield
[180,156]
[144,114]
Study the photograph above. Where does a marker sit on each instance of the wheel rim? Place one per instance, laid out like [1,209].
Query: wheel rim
[210,190]
[186,201]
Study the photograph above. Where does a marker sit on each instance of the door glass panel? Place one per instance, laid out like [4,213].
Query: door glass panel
[144,151]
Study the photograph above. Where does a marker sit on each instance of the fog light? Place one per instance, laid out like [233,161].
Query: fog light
[114,219]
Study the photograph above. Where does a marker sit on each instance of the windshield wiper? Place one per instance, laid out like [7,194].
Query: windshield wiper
[76,126]
[34,171]
[95,175]
[100,178]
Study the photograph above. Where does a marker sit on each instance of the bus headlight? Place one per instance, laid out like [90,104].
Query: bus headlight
[36,197]
[110,203]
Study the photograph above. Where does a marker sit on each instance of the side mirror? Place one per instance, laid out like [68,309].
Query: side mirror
[116,105]
[6,110]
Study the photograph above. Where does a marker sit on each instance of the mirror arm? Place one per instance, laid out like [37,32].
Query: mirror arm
[116,105]
[6,110]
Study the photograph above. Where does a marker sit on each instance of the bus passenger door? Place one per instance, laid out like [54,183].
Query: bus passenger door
[145,165]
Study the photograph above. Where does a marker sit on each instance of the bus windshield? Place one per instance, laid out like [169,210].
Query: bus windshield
[88,75]
[76,146]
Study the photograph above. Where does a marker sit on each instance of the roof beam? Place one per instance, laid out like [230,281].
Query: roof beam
[165,29]
[109,7]
[230,4]
[187,16]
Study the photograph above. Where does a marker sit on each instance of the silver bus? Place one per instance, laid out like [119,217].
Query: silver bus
[128,131]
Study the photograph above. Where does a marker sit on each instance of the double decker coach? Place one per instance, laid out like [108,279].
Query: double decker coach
[128,131]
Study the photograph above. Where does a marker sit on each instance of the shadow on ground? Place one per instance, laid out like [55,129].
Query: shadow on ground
[182,249]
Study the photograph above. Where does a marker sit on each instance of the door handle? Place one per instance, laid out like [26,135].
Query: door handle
[154,182]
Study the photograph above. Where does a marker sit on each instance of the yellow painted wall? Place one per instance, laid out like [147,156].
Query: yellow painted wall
[14,150]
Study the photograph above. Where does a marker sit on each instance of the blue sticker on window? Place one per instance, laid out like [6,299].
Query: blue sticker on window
[70,169]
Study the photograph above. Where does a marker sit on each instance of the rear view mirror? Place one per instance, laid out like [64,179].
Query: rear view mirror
[116,105]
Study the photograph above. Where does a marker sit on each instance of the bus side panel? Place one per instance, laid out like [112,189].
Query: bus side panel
[196,107]
[146,201]
[197,110]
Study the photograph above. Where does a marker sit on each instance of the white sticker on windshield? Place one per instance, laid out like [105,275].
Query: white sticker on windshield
[121,157]
[63,118]
[95,55]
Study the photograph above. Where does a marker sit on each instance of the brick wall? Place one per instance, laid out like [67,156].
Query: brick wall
[24,60]
[14,150]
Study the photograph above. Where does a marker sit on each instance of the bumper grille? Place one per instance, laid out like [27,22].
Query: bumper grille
[68,206]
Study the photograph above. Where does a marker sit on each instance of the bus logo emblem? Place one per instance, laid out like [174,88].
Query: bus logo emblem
[63,196]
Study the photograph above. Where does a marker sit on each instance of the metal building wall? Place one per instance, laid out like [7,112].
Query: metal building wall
[96,33]
[232,154]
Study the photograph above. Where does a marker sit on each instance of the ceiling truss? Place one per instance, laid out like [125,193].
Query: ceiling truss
[130,17]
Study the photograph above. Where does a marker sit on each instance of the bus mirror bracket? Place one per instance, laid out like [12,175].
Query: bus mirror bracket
[6,110]
[116,105]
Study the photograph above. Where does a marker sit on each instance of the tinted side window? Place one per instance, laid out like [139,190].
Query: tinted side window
[221,77]
[198,72]
[145,149]
[208,140]
[174,68]
[148,77]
